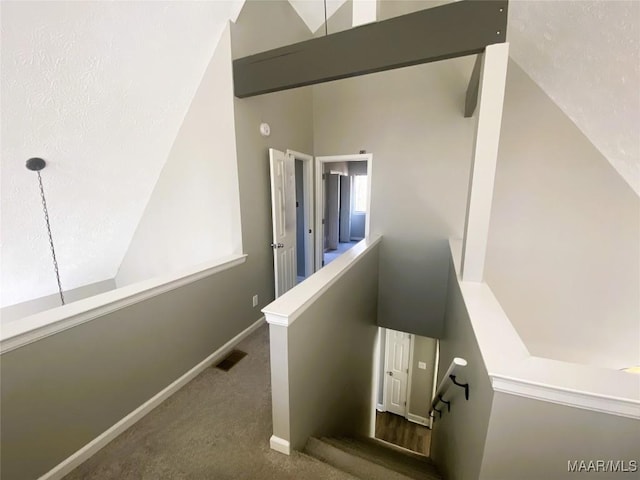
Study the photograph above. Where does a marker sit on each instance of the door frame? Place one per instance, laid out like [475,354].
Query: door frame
[307,188]
[412,343]
[319,197]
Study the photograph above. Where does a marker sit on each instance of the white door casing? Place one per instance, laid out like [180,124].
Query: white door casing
[283,214]
[320,194]
[309,223]
[397,353]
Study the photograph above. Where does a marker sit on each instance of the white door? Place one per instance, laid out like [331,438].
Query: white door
[283,214]
[397,352]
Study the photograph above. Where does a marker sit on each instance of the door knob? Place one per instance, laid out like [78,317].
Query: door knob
[390,374]
[277,245]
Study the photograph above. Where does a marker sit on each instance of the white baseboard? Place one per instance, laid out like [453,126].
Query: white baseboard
[91,448]
[418,419]
[280,445]
[380,407]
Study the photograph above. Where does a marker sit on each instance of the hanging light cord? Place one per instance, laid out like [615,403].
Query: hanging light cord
[325,18]
[53,250]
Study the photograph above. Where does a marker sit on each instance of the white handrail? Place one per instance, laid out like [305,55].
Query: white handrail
[453,371]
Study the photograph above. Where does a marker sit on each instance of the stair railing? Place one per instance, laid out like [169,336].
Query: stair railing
[448,380]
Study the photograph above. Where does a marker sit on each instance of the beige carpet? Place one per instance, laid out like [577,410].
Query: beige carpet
[217,427]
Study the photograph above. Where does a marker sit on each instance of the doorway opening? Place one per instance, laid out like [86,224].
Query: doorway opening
[290,201]
[406,385]
[304,214]
[343,186]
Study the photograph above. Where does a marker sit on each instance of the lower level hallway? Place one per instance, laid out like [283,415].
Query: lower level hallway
[216,428]
[403,433]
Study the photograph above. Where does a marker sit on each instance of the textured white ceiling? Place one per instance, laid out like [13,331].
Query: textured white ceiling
[586,56]
[98,89]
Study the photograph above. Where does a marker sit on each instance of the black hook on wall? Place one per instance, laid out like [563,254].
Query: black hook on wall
[463,385]
[448,404]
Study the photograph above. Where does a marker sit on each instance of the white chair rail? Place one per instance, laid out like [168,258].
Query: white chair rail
[449,379]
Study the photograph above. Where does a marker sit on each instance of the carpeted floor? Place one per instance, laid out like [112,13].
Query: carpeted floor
[216,428]
[331,255]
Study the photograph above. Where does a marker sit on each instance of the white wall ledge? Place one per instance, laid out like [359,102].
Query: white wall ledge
[284,310]
[513,370]
[35,327]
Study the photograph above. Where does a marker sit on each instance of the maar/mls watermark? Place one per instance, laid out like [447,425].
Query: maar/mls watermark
[602,466]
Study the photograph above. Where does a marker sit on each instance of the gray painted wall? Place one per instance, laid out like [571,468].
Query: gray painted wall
[331,352]
[421,146]
[261,26]
[529,440]
[424,350]
[496,436]
[563,254]
[24,309]
[457,440]
[60,392]
[563,220]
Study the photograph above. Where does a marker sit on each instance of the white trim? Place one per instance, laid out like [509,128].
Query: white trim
[380,407]
[91,448]
[436,368]
[417,419]
[375,382]
[276,319]
[513,370]
[319,197]
[288,307]
[43,324]
[564,396]
[309,221]
[407,405]
[493,75]
[280,445]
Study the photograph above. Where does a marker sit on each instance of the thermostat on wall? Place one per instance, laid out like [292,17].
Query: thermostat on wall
[265,130]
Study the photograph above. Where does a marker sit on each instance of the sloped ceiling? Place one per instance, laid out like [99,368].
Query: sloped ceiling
[312,12]
[586,56]
[99,90]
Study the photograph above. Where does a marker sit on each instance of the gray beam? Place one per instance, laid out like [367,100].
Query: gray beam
[448,31]
[472,90]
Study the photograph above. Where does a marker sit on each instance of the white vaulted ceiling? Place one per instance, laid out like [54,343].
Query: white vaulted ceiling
[99,90]
[586,56]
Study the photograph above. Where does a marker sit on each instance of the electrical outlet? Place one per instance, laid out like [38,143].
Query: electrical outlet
[422,365]
[255,300]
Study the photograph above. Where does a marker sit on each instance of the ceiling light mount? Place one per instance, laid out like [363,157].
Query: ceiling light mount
[36,164]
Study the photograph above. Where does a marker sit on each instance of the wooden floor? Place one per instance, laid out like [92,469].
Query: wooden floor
[400,431]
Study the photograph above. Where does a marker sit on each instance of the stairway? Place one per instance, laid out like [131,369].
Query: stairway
[372,459]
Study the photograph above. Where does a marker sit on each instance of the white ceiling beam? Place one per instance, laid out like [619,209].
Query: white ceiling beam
[493,77]
[364,11]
